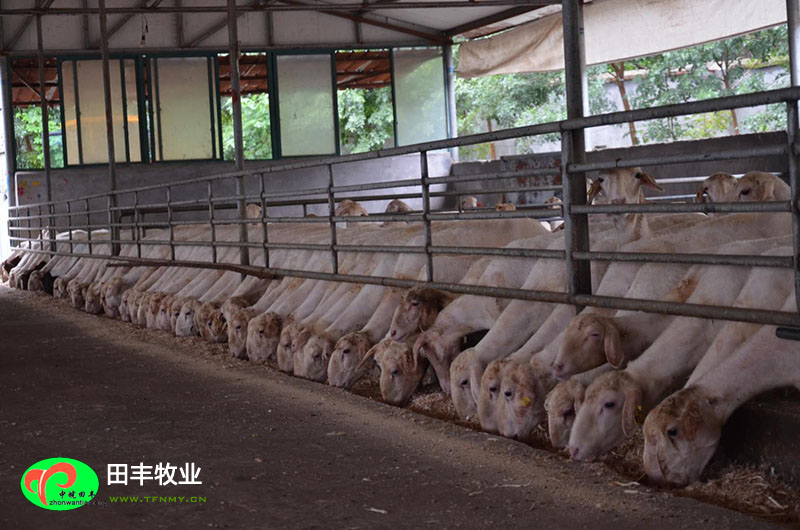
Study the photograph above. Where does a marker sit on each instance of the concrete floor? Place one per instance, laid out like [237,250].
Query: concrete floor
[275,452]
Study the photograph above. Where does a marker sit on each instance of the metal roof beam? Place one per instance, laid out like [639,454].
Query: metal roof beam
[25,24]
[491,19]
[124,20]
[218,26]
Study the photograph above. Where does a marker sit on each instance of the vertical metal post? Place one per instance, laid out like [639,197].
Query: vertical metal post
[211,223]
[112,165]
[331,222]
[88,225]
[236,101]
[793,22]
[264,219]
[69,226]
[8,128]
[169,222]
[45,124]
[136,234]
[573,151]
[426,210]
[450,86]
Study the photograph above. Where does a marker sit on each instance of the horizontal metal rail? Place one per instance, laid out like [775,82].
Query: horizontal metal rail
[666,111]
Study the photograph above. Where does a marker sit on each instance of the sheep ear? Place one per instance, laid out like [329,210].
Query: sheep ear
[371,353]
[577,400]
[612,345]
[767,190]
[594,190]
[691,420]
[647,180]
[632,412]
[700,198]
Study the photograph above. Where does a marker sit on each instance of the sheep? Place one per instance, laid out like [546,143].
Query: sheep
[504,207]
[617,400]
[469,203]
[683,431]
[417,311]
[398,206]
[401,370]
[716,187]
[348,208]
[564,401]
[759,186]
[265,327]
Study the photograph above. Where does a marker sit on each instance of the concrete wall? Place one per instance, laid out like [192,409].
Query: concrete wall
[74,183]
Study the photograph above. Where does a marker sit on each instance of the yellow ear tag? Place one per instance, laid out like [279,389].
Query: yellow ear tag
[525,402]
[639,416]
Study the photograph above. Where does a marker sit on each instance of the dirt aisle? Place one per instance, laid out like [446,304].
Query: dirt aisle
[274,451]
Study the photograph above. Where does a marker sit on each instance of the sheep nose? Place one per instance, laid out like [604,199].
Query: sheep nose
[394,332]
[573,452]
[558,367]
[618,201]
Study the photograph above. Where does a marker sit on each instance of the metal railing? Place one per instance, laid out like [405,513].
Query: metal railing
[28,222]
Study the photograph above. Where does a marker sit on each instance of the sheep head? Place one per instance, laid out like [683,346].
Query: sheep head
[401,370]
[35,282]
[417,312]
[680,436]
[760,186]
[589,341]
[185,326]
[284,352]
[113,297]
[203,320]
[520,406]
[561,405]
[76,290]
[397,206]
[345,366]
[610,412]
[298,343]
[175,312]
[263,335]
[60,288]
[490,393]
[716,187]
[163,317]
[93,299]
[621,186]
[348,208]
[313,357]
[460,384]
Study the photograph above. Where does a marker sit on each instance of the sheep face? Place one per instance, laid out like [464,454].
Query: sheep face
[606,417]
[203,321]
[312,359]
[238,333]
[440,353]
[401,370]
[716,187]
[141,310]
[561,405]
[680,436]
[621,186]
[175,312]
[417,312]
[589,341]
[298,343]
[460,384]
[348,208]
[153,309]
[504,207]
[345,366]
[163,321]
[520,406]
[490,394]
[35,282]
[284,352]
[113,297]
[758,186]
[75,290]
[185,325]
[217,328]
[124,305]
[469,202]
[397,206]
[60,288]
[93,299]
[263,336]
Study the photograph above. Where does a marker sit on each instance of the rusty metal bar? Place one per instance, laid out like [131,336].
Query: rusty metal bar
[332,221]
[211,222]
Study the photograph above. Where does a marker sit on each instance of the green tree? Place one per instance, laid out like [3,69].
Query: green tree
[366,119]
[28,137]
[256,132]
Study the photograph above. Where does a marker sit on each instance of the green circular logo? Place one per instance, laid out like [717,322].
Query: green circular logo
[60,484]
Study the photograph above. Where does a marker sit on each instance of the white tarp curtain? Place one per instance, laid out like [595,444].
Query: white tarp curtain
[617,30]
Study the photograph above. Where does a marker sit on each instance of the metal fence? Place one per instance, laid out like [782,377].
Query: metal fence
[127,214]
